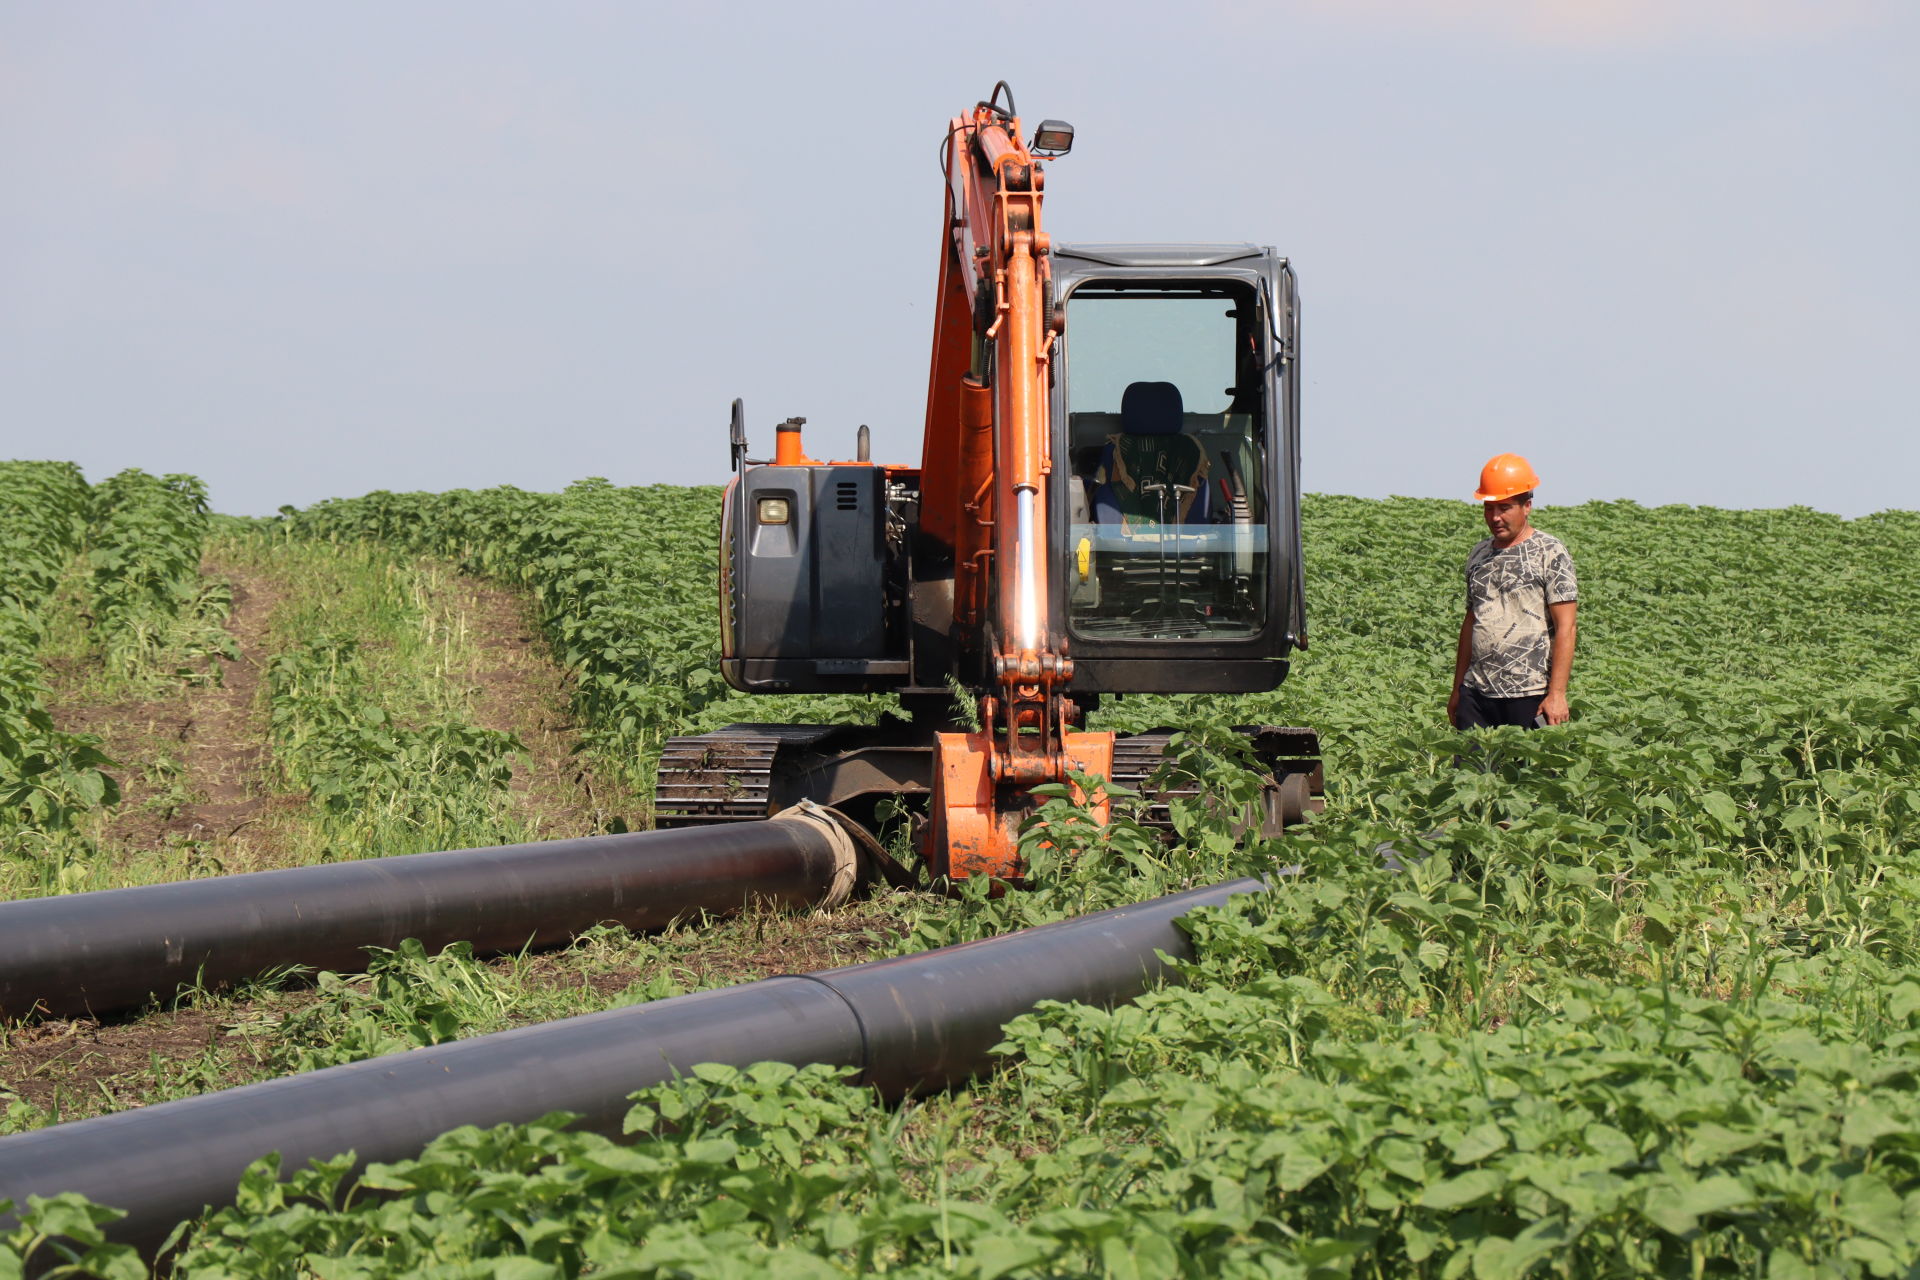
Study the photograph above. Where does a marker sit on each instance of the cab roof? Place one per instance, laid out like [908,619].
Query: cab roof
[1160,255]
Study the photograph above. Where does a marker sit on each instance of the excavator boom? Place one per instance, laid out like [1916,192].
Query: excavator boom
[995,270]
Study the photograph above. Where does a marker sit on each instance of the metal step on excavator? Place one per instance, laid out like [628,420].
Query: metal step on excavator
[1107,502]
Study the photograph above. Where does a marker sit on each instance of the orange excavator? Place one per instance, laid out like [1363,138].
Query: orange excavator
[1107,503]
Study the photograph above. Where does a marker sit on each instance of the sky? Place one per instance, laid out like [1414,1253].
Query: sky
[1667,249]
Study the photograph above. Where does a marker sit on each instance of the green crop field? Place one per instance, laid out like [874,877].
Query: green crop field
[1637,995]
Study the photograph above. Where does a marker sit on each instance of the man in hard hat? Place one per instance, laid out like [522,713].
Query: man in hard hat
[1516,644]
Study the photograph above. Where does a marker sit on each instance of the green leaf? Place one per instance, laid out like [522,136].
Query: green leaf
[90,786]
[1464,1189]
[1501,1259]
[1869,1205]
[1867,1122]
[1399,1156]
[1723,809]
[1609,1145]
[1420,1241]
[69,1214]
[114,1262]
[1678,1207]
[710,1151]
[999,1255]
[1786,1263]
[1478,1143]
[1708,1143]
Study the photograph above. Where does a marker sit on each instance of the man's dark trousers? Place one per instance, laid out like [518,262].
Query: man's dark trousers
[1478,711]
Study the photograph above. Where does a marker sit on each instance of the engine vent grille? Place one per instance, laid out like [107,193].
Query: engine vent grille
[846,495]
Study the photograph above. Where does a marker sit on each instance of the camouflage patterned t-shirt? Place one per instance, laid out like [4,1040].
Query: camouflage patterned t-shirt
[1508,591]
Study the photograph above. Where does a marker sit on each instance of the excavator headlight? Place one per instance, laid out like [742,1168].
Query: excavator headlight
[1053,138]
[773,511]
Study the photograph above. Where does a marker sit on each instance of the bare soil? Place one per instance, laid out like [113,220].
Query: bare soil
[194,760]
[517,688]
[79,1067]
[742,949]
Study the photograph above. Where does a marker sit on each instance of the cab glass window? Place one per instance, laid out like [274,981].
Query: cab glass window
[1167,441]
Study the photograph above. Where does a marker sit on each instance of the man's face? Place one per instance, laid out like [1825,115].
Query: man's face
[1507,518]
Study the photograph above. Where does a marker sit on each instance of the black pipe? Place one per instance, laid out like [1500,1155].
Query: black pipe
[94,953]
[932,1019]
[911,1023]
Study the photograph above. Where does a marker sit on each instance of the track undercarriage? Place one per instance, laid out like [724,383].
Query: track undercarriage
[745,772]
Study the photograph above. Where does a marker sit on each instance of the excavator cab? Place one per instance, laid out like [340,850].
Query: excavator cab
[1174,408]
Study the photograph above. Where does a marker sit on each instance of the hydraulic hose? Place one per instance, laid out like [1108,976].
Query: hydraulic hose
[95,953]
[908,1024]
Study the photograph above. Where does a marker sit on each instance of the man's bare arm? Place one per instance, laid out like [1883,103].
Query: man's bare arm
[1560,662]
[1462,654]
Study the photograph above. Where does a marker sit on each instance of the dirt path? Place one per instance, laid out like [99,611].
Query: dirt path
[192,762]
[519,689]
[226,734]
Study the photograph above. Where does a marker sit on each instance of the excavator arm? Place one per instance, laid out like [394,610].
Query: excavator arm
[984,486]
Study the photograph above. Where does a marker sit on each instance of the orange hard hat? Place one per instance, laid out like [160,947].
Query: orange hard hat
[1505,476]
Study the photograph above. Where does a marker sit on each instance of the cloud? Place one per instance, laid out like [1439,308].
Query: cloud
[1616,24]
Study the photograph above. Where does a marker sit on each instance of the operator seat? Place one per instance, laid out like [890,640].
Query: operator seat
[1150,449]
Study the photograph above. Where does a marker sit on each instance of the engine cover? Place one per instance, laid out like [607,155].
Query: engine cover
[806,564]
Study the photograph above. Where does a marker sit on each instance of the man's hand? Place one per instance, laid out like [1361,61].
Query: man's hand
[1560,661]
[1462,653]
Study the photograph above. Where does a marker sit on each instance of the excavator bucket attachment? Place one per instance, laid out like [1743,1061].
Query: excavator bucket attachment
[974,826]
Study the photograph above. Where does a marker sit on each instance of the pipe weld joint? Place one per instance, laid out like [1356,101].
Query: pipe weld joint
[846,855]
